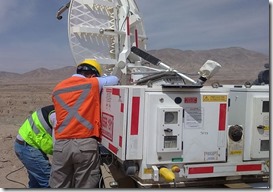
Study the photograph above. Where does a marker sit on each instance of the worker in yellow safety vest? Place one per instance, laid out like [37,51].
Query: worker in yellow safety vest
[34,142]
[75,162]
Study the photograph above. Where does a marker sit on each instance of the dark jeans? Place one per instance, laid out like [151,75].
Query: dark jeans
[37,164]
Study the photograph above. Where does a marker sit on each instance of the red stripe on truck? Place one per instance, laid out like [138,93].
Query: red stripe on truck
[113,148]
[222,117]
[200,170]
[115,91]
[135,115]
[122,107]
[136,38]
[250,167]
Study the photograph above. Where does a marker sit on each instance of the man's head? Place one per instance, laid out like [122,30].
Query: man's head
[89,68]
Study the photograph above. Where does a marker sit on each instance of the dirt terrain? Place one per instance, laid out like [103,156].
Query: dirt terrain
[17,101]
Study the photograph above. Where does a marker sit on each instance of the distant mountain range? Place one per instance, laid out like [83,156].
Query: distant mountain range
[238,65]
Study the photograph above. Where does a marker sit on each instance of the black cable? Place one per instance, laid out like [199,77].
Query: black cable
[174,183]
[14,180]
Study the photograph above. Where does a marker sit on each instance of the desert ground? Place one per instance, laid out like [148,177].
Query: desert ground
[17,101]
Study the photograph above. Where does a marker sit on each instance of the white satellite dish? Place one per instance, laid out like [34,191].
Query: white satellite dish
[104,30]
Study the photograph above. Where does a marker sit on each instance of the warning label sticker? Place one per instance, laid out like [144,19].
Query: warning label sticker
[211,156]
[107,123]
[214,98]
[236,152]
[194,118]
[148,171]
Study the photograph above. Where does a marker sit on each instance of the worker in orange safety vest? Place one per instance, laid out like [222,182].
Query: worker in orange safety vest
[75,162]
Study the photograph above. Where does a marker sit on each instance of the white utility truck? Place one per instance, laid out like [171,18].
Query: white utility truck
[159,126]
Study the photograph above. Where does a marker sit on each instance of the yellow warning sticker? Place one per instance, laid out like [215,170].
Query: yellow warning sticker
[266,128]
[236,152]
[148,171]
[214,98]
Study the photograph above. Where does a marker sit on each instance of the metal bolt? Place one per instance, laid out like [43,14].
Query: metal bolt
[113,184]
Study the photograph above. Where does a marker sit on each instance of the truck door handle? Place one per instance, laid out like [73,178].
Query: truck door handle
[168,130]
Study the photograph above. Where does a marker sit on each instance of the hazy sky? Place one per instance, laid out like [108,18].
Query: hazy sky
[32,37]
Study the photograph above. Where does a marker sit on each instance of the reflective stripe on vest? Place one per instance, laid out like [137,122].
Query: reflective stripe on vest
[37,133]
[42,121]
[73,111]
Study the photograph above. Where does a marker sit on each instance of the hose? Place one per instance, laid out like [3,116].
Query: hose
[14,180]
[167,174]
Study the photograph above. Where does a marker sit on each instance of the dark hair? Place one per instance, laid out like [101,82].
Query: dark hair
[86,69]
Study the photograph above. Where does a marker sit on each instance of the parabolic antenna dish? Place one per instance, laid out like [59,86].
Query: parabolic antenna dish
[104,30]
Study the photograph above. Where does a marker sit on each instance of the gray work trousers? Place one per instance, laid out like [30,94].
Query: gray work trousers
[75,164]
